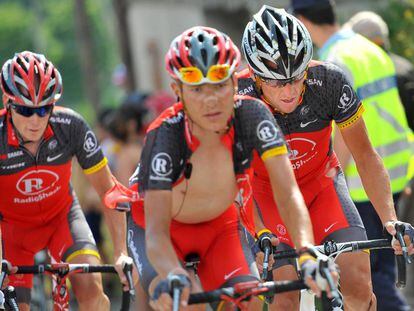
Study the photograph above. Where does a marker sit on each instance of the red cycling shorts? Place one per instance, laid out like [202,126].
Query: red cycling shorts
[330,207]
[220,244]
[65,236]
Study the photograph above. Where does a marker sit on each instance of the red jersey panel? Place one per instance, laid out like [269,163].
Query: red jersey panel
[327,97]
[35,188]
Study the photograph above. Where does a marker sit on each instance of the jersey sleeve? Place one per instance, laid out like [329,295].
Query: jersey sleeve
[346,106]
[86,146]
[160,164]
[260,129]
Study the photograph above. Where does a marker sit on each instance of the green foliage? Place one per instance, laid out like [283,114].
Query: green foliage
[399,15]
[15,21]
[48,27]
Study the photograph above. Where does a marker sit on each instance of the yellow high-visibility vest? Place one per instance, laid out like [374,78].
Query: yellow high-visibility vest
[372,74]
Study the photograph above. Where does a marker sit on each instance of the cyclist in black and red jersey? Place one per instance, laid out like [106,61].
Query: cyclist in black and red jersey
[38,207]
[305,97]
[196,158]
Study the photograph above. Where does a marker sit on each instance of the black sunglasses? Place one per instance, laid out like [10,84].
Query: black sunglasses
[28,112]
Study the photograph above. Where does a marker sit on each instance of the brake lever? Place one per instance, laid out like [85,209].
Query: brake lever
[127,269]
[401,259]
[176,288]
[266,245]
[336,301]
[400,229]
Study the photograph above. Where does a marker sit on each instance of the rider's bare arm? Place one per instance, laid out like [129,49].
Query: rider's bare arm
[258,223]
[158,215]
[289,199]
[373,174]
[102,181]
[341,150]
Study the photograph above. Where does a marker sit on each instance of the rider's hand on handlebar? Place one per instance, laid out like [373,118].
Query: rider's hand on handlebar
[6,265]
[162,298]
[263,237]
[408,236]
[119,267]
[310,262]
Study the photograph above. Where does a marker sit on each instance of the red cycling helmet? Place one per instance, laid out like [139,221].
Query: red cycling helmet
[29,79]
[202,48]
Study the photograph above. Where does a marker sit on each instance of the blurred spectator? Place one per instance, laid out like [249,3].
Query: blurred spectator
[132,119]
[128,130]
[372,74]
[373,27]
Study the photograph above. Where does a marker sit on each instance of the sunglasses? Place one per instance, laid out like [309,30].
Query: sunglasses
[194,76]
[28,112]
[281,83]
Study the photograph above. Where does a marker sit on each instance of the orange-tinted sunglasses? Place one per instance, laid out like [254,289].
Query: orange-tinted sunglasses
[194,76]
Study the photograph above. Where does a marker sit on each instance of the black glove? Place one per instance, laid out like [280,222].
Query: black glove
[408,229]
[167,285]
[264,239]
[311,261]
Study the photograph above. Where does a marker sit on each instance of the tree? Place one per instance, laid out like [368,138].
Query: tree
[48,27]
[399,16]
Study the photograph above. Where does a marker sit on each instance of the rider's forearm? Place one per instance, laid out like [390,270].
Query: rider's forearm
[161,253]
[296,217]
[258,223]
[376,182]
[116,222]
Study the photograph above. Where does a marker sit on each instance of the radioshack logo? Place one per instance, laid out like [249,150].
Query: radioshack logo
[302,150]
[35,182]
[347,98]
[266,131]
[162,164]
[91,142]
[300,147]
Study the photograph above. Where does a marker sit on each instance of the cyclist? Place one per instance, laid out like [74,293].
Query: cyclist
[373,76]
[196,158]
[38,207]
[306,96]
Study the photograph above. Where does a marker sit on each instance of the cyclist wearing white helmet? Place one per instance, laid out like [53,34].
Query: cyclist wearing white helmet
[306,96]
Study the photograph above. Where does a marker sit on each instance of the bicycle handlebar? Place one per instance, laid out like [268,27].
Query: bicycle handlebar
[66,268]
[331,248]
[255,288]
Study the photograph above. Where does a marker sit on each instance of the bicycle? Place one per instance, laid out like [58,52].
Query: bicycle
[60,272]
[243,290]
[268,289]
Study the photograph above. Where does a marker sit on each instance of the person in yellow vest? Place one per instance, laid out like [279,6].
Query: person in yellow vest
[372,74]
[373,27]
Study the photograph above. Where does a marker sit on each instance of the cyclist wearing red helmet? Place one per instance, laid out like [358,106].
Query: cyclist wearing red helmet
[38,207]
[306,96]
[194,175]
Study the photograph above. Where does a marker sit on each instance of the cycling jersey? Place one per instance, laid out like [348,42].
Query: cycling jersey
[35,188]
[219,243]
[327,97]
[169,144]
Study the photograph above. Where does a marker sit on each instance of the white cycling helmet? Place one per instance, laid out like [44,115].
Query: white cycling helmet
[276,45]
